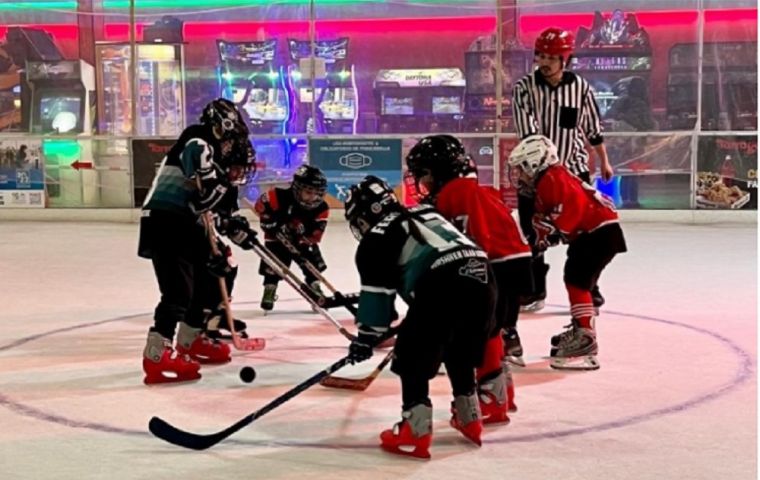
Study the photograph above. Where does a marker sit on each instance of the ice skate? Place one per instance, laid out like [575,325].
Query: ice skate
[513,351]
[196,345]
[466,417]
[511,406]
[269,297]
[532,305]
[413,435]
[575,349]
[492,394]
[162,364]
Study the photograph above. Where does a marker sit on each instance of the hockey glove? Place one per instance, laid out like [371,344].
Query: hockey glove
[547,234]
[361,348]
[240,232]
[218,266]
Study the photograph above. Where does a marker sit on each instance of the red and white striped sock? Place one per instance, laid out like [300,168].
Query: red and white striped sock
[581,306]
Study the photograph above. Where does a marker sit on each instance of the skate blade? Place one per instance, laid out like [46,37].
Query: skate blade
[169,378]
[249,344]
[406,451]
[585,363]
[516,361]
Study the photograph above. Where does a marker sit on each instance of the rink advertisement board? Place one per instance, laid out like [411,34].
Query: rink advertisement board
[347,161]
[727,172]
[22,176]
[147,155]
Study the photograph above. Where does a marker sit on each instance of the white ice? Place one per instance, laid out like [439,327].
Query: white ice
[675,397]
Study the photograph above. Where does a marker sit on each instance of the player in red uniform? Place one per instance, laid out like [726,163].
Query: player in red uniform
[447,176]
[300,213]
[571,211]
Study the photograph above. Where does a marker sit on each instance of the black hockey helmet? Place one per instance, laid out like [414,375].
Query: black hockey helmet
[225,116]
[440,156]
[240,164]
[367,203]
[309,178]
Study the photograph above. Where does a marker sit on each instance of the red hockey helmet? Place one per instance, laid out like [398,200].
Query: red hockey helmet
[555,41]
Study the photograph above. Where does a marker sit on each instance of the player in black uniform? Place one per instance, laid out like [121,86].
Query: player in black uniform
[447,283]
[300,213]
[194,176]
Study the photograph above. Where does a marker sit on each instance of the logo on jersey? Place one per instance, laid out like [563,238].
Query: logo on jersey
[475,269]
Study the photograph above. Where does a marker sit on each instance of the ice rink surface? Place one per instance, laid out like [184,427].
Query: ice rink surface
[676,396]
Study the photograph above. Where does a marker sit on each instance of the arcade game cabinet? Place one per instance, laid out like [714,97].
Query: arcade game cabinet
[160,89]
[249,78]
[729,86]
[610,55]
[480,71]
[336,93]
[420,100]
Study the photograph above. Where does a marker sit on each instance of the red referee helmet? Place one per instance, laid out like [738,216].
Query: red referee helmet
[555,41]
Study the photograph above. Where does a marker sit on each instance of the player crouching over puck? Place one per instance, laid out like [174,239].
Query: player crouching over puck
[418,255]
[571,211]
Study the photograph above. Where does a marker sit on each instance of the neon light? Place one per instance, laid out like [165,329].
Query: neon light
[121,4]
[59,5]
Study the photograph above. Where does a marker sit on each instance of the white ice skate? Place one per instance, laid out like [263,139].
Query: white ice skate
[575,349]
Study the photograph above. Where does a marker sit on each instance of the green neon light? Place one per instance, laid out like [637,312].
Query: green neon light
[178,4]
[52,5]
[63,149]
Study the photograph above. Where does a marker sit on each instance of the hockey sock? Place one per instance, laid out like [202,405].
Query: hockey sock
[462,379]
[492,357]
[414,391]
[581,305]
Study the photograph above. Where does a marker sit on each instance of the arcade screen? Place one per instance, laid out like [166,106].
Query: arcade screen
[330,50]
[398,106]
[451,105]
[61,114]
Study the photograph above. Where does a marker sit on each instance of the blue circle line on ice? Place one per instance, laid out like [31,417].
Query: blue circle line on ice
[743,372]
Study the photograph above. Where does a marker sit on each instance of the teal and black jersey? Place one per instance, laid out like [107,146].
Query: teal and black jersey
[398,251]
[196,152]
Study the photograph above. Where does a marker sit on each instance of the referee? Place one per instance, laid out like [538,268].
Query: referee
[560,105]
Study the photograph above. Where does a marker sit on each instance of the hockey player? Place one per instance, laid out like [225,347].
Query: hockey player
[300,213]
[434,268]
[571,211]
[448,177]
[193,177]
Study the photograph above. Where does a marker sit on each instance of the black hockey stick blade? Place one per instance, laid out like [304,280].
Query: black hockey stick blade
[169,433]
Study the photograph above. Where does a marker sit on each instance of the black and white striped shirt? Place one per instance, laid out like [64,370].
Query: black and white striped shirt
[565,114]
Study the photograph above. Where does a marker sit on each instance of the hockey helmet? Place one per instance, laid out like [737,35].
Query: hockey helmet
[530,157]
[367,203]
[226,118]
[556,41]
[440,156]
[240,164]
[309,186]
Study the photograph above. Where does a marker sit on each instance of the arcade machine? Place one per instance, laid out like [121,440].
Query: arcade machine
[729,86]
[420,100]
[249,78]
[160,89]
[21,45]
[611,54]
[336,93]
[59,95]
[480,71]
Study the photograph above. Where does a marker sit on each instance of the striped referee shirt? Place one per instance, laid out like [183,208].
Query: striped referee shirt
[565,114]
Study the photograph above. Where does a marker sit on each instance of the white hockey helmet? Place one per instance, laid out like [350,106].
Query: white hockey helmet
[531,156]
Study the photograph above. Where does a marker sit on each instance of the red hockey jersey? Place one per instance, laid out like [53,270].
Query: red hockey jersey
[573,206]
[479,213]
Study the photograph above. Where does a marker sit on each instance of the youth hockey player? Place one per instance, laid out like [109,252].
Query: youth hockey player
[448,177]
[193,177]
[447,283]
[300,213]
[569,210]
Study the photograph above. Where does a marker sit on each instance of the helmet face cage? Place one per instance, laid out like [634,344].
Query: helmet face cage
[241,164]
[309,186]
[367,203]
[531,156]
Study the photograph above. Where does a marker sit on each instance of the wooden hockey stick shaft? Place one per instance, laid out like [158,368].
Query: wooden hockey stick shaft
[358,384]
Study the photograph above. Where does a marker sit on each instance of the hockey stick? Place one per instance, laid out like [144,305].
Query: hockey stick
[284,272]
[358,384]
[340,299]
[246,344]
[169,433]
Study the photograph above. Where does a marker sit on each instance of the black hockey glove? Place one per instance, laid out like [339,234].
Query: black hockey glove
[240,232]
[361,348]
[218,266]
